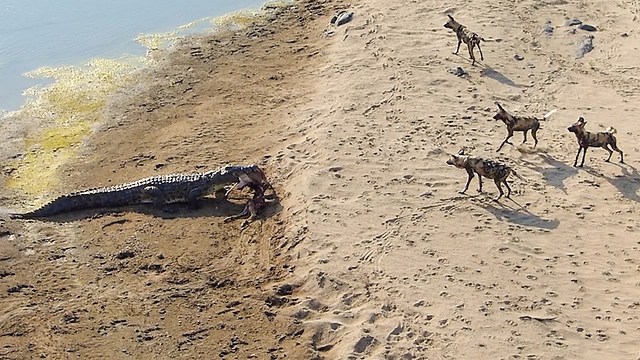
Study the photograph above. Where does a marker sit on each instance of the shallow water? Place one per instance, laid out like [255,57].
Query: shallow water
[39,33]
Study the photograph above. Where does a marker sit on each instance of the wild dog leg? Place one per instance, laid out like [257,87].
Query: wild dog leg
[575,162]
[606,147]
[508,188]
[614,146]
[584,154]
[458,49]
[230,189]
[506,140]
[253,206]
[479,183]
[470,47]
[480,50]
[525,136]
[469,177]
[244,213]
[251,210]
[497,181]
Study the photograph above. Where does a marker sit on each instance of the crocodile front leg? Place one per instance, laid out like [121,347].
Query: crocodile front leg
[193,196]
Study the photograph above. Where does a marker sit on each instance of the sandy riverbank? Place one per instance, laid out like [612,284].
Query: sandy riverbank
[381,255]
[139,283]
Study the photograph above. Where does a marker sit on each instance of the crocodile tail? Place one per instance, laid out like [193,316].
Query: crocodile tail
[77,201]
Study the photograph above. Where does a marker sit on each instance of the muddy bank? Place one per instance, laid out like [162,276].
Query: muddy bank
[138,282]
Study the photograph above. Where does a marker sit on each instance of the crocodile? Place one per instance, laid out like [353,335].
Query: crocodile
[160,190]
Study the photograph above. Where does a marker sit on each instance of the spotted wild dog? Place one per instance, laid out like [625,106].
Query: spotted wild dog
[483,167]
[470,38]
[588,139]
[519,123]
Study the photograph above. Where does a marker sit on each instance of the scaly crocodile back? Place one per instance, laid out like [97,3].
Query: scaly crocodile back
[173,187]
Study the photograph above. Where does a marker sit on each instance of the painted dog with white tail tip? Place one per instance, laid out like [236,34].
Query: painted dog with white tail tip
[519,123]
[588,139]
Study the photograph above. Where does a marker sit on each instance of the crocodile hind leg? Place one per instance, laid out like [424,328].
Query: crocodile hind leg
[154,194]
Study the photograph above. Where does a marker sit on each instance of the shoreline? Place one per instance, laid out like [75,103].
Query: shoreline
[72,38]
[371,252]
[206,103]
[57,119]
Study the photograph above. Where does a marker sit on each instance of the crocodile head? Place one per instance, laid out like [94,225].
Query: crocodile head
[240,176]
[253,174]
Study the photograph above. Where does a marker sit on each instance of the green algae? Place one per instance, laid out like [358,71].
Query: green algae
[68,109]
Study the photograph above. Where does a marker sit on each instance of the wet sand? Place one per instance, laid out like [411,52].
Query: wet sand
[371,252]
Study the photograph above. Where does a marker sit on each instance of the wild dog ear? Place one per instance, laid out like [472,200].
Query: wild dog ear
[450,17]
[499,106]
[581,120]
[461,152]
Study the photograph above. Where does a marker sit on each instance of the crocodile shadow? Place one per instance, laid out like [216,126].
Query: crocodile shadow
[518,215]
[207,207]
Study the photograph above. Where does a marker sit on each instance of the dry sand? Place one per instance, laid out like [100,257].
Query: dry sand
[371,253]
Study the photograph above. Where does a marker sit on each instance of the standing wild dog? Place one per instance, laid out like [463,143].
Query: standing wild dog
[600,139]
[483,167]
[464,35]
[519,123]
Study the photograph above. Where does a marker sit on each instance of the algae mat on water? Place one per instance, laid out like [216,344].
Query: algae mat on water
[69,108]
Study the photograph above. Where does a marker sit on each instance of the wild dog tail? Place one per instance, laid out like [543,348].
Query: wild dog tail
[546,116]
[477,38]
[611,130]
[489,39]
[518,175]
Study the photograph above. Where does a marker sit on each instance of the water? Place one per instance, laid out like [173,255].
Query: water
[37,33]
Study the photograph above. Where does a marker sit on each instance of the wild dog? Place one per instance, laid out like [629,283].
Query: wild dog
[470,38]
[588,139]
[254,206]
[519,123]
[484,167]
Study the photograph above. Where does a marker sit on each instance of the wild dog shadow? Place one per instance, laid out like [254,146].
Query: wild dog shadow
[518,215]
[628,184]
[556,174]
[494,74]
[206,207]
[467,59]
[529,150]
